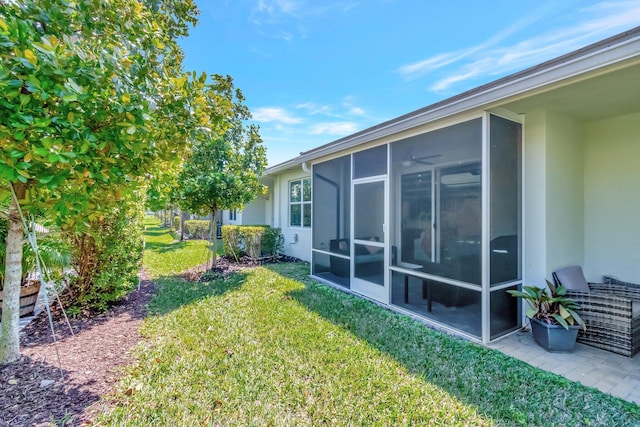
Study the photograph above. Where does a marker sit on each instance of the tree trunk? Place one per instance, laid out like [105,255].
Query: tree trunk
[10,336]
[182,215]
[213,235]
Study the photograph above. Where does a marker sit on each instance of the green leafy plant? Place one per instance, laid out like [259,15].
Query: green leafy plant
[550,305]
[272,241]
[107,257]
[232,241]
[197,228]
[55,255]
[254,241]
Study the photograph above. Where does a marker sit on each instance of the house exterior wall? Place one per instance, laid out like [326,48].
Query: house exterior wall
[228,221]
[534,197]
[580,196]
[254,212]
[612,202]
[268,205]
[565,192]
[300,248]
[553,194]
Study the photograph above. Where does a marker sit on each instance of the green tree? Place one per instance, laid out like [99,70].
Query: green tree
[228,157]
[90,93]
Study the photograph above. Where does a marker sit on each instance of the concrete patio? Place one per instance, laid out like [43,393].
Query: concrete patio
[608,372]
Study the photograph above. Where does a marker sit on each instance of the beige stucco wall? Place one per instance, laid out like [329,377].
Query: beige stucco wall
[565,192]
[612,198]
[581,196]
[253,213]
[268,204]
[302,248]
[534,198]
[553,200]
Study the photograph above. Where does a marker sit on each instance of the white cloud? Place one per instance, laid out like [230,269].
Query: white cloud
[315,109]
[276,6]
[420,68]
[275,114]
[356,111]
[352,110]
[292,18]
[594,23]
[417,69]
[333,128]
[344,110]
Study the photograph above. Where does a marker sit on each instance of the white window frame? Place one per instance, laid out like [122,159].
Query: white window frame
[301,203]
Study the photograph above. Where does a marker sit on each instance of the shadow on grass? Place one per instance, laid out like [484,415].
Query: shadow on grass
[174,292]
[175,246]
[502,388]
[165,247]
[156,231]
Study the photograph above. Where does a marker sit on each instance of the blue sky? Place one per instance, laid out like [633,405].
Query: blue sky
[313,71]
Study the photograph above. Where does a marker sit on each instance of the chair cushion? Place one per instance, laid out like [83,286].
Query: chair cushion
[572,278]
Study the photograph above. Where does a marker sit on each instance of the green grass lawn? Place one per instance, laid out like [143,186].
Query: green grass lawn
[164,255]
[271,347]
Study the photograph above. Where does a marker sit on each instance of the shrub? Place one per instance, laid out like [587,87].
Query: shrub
[232,241]
[107,257]
[176,222]
[197,228]
[255,241]
[272,241]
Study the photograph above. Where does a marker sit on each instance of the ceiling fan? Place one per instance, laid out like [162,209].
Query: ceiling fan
[411,159]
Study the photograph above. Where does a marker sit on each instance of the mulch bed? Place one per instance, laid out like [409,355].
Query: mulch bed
[35,391]
[62,383]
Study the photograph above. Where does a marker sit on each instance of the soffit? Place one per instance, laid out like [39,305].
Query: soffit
[608,95]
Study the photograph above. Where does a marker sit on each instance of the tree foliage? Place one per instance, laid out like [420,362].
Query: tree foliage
[91,98]
[228,157]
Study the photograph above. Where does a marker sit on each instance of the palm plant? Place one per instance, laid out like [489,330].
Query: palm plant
[54,254]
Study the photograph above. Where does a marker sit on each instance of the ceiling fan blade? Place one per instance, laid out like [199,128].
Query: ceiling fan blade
[423,159]
[432,156]
[418,160]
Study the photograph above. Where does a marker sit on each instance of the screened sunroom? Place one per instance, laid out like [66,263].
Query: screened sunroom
[429,223]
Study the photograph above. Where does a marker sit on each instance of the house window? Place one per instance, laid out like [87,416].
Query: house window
[300,203]
[233,215]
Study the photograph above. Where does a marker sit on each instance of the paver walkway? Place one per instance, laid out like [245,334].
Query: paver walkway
[609,372]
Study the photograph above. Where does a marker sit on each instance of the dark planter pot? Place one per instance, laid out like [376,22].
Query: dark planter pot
[554,338]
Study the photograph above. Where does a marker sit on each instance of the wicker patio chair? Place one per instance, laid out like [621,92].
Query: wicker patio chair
[611,310]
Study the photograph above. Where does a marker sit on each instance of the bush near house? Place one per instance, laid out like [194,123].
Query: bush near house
[255,241]
[197,228]
[176,222]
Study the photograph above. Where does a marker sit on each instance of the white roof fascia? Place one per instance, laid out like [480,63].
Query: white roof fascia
[286,165]
[536,79]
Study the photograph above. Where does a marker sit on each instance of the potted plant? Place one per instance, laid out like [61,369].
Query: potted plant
[554,321]
[54,257]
